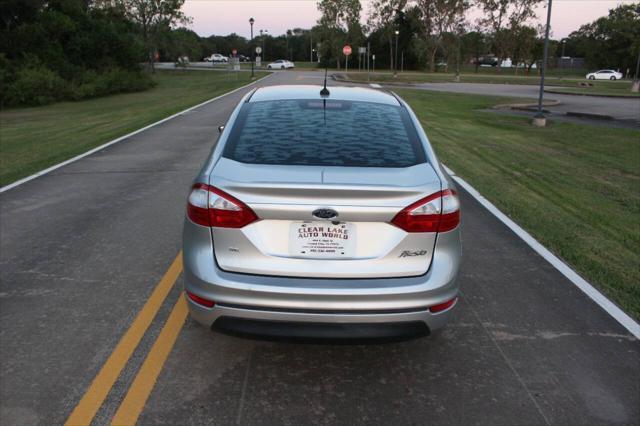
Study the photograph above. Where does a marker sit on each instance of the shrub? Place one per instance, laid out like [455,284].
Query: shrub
[113,81]
[36,86]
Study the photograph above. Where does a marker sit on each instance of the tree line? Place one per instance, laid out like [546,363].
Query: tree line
[54,50]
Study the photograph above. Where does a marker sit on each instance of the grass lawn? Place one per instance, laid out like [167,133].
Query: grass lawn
[576,188]
[33,139]
[493,78]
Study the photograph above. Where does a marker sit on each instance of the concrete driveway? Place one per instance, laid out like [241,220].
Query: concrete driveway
[84,249]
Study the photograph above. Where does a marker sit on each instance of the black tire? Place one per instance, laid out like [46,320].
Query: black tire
[592,77]
[282,67]
[613,77]
[268,67]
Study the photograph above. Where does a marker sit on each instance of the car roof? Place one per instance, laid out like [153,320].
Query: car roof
[342,93]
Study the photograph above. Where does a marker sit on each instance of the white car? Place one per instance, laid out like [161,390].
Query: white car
[280,64]
[216,57]
[605,75]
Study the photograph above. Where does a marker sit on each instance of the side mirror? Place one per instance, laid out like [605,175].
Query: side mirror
[220,129]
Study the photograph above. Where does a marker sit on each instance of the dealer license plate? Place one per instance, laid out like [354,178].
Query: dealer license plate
[322,240]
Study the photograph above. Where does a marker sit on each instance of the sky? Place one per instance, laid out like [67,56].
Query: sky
[222,17]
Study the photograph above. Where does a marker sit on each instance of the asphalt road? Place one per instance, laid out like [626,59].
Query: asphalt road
[83,248]
[627,109]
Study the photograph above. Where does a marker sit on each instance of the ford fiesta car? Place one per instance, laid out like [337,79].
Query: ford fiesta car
[322,215]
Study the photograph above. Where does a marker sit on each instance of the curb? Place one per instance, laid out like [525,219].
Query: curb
[589,115]
[557,92]
[119,139]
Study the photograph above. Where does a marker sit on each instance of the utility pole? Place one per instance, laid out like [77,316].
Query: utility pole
[539,119]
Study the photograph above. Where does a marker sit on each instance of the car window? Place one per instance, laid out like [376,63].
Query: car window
[324,133]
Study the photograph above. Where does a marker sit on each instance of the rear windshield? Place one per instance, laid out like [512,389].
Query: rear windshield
[324,133]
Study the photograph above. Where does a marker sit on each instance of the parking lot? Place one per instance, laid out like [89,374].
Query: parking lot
[84,248]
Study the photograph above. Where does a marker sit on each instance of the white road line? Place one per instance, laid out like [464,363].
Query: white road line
[120,139]
[588,289]
[375,85]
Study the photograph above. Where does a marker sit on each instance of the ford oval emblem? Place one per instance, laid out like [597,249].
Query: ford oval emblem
[325,213]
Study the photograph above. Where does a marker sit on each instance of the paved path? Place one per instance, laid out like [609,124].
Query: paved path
[618,108]
[82,249]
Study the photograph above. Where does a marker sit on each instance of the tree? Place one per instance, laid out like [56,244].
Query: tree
[525,38]
[612,41]
[502,18]
[153,18]
[474,43]
[339,23]
[383,20]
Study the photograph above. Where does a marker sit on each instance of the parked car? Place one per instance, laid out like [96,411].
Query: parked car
[280,64]
[216,58]
[322,215]
[605,75]
[244,58]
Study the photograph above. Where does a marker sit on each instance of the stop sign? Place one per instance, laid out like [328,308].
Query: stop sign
[346,50]
[234,52]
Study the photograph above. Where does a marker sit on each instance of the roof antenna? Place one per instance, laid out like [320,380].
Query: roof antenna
[325,91]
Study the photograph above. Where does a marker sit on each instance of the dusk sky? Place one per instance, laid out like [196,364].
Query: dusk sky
[222,17]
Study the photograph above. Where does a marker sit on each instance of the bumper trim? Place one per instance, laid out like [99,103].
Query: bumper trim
[326,311]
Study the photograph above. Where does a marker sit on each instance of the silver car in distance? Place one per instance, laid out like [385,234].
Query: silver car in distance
[322,215]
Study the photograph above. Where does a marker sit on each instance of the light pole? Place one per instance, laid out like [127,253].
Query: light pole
[264,52]
[539,119]
[395,61]
[251,21]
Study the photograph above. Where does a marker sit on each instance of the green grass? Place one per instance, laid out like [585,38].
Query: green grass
[32,139]
[417,77]
[576,188]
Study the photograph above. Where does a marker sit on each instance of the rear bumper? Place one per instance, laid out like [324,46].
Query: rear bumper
[319,301]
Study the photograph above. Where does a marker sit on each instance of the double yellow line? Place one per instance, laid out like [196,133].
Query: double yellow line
[145,380]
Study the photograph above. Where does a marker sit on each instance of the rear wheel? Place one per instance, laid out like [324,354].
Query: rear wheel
[282,67]
[269,67]
[613,77]
[592,77]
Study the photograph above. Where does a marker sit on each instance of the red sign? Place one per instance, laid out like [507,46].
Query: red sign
[346,50]
[234,52]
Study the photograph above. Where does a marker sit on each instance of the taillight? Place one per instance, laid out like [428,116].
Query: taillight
[200,300]
[443,306]
[439,212]
[209,206]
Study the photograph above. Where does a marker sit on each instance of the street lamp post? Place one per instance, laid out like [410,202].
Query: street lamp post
[251,21]
[539,119]
[264,52]
[395,62]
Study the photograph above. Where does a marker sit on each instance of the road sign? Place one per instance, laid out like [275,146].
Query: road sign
[258,61]
[234,52]
[258,50]
[346,50]
[362,50]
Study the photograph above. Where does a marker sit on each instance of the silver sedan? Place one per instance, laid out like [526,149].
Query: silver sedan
[322,214]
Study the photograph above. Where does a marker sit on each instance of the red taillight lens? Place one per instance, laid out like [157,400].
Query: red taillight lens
[200,300]
[443,306]
[209,206]
[439,212]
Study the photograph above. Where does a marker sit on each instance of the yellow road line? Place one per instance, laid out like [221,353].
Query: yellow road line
[92,400]
[147,376]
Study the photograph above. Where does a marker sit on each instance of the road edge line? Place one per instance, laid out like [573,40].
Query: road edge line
[86,408]
[119,139]
[594,294]
[145,380]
